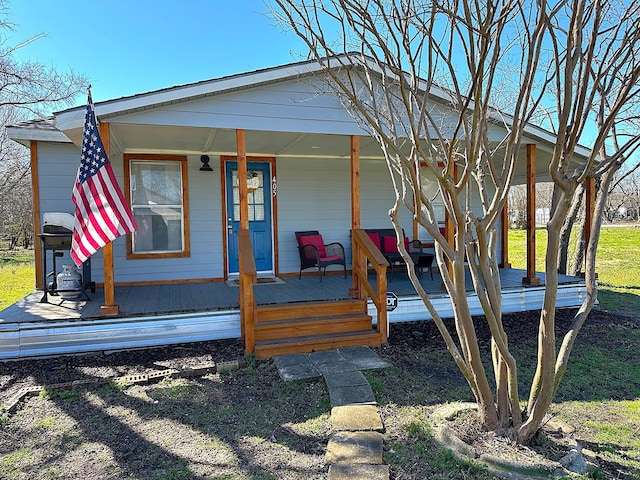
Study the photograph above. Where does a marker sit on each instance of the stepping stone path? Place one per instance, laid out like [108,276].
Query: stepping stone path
[354,451]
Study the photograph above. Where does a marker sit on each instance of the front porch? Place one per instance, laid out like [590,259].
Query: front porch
[155,315]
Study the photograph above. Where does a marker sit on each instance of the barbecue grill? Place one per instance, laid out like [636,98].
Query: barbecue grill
[56,234]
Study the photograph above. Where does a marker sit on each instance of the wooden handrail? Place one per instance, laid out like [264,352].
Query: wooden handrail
[364,252]
[248,276]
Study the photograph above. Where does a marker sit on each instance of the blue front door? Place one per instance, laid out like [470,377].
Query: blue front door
[260,225]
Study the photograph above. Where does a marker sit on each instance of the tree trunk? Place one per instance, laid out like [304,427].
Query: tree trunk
[566,347]
[543,386]
[578,258]
[567,227]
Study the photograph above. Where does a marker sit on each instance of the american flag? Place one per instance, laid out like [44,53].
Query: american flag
[102,213]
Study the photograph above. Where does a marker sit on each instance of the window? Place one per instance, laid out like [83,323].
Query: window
[157,190]
[255,197]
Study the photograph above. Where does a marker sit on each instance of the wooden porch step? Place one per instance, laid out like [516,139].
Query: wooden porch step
[314,326]
[308,326]
[310,309]
[272,348]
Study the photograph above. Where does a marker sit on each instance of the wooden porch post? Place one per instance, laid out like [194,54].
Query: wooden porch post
[504,229]
[247,300]
[37,244]
[109,308]
[355,181]
[355,210]
[531,278]
[242,179]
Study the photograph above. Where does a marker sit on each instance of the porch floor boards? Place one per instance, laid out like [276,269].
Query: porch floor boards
[218,296]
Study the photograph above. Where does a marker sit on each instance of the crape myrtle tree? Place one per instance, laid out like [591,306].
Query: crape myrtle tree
[573,60]
[597,81]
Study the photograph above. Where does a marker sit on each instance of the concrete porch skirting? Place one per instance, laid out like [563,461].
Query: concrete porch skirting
[203,312]
[46,338]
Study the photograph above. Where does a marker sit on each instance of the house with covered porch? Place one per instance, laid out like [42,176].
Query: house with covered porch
[220,175]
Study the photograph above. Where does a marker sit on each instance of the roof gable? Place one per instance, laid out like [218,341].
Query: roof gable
[289,98]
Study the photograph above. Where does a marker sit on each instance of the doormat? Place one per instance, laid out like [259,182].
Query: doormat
[261,281]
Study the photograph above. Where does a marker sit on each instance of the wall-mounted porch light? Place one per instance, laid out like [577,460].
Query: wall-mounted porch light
[253,181]
[205,164]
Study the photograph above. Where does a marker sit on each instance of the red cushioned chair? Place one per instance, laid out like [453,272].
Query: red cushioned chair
[315,253]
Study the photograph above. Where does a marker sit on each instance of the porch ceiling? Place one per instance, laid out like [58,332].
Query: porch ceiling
[220,141]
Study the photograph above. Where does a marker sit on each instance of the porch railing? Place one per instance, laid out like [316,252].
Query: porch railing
[365,253]
[248,276]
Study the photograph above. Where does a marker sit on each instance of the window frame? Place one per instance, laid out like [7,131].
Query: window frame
[186,251]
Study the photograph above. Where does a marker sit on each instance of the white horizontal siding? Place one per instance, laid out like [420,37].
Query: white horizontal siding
[315,195]
[305,106]
[205,224]
[287,107]
[57,168]
[312,195]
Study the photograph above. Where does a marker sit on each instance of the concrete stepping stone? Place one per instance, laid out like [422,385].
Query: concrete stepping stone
[326,356]
[356,418]
[355,447]
[303,366]
[331,361]
[364,358]
[296,367]
[355,452]
[345,379]
[349,395]
[341,471]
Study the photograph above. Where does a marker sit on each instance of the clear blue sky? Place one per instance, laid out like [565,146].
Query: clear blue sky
[126,47]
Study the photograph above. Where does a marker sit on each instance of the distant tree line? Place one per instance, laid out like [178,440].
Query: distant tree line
[623,201]
[27,89]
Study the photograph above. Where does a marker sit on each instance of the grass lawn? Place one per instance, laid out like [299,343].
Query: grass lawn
[16,276]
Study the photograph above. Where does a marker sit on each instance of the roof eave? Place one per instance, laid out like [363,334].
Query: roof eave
[26,135]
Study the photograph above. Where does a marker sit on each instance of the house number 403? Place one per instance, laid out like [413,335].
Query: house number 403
[274,187]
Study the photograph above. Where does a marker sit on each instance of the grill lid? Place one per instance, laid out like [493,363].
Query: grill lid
[58,222]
